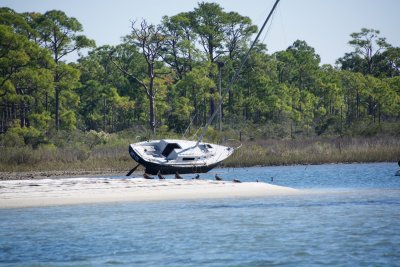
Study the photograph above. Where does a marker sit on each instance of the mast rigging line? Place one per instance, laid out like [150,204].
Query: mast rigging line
[235,76]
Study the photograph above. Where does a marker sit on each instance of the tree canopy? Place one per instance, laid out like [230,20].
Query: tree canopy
[166,76]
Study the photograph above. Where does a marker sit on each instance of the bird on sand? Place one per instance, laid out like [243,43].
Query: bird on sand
[236,181]
[146,176]
[218,178]
[160,176]
[197,176]
[177,176]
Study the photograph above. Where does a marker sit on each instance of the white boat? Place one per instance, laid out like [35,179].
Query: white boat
[169,156]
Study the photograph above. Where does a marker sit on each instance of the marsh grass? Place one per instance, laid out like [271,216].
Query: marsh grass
[114,156]
[78,158]
[316,151]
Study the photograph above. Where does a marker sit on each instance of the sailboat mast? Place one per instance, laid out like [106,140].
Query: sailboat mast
[235,76]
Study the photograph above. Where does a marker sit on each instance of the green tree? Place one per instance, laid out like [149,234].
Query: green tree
[197,84]
[68,82]
[306,63]
[384,98]
[222,36]
[330,100]
[352,62]
[394,84]
[354,95]
[368,44]
[24,72]
[100,104]
[256,93]
[179,50]
[388,63]
[98,74]
[58,34]
[367,57]
[208,23]
[150,40]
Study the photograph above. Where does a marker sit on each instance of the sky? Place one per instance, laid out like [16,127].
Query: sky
[325,25]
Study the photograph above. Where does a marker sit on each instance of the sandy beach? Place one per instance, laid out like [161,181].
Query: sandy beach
[84,190]
[38,175]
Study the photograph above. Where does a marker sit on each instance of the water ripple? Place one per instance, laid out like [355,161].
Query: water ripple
[329,226]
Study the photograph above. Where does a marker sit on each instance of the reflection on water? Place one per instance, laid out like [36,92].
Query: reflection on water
[349,217]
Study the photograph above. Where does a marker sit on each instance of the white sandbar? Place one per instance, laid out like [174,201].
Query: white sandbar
[68,191]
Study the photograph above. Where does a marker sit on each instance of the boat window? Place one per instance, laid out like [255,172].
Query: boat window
[187,158]
[169,148]
[209,146]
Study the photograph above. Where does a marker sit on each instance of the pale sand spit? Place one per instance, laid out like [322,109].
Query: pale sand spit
[68,191]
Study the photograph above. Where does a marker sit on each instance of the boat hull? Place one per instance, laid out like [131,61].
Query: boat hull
[153,168]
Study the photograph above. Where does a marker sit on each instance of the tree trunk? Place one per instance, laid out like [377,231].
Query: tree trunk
[22,115]
[205,111]
[3,117]
[47,101]
[379,114]
[57,108]
[196,108]
[112,119]
[212,101]
[104,115]
[230,102]
[152,119]
[371,106]
[357,106]
[57,95]
[14,111]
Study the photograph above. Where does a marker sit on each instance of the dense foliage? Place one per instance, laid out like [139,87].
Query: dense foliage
[165,77]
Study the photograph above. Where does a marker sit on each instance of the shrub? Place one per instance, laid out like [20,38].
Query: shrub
[40,120]
[12,139]
[20,155]
[17,137]
[93,138]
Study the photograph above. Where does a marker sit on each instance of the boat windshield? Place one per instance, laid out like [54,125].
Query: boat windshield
[169,148]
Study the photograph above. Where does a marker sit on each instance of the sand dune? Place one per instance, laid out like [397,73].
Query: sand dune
[68,191]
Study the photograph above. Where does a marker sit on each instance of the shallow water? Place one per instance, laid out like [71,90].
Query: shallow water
[350,217]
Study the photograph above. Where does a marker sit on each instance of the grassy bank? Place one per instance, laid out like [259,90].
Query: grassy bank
[316,151]
[113,156]
[67,159]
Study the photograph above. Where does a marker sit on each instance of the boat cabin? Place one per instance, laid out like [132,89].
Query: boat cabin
[182,150]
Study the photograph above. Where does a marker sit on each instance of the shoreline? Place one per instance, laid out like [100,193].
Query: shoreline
[57,174]
[60,174]
[72,191]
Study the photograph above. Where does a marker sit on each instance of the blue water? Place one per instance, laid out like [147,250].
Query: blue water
[350,216]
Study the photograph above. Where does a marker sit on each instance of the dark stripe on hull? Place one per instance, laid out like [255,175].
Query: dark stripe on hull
[152,168]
